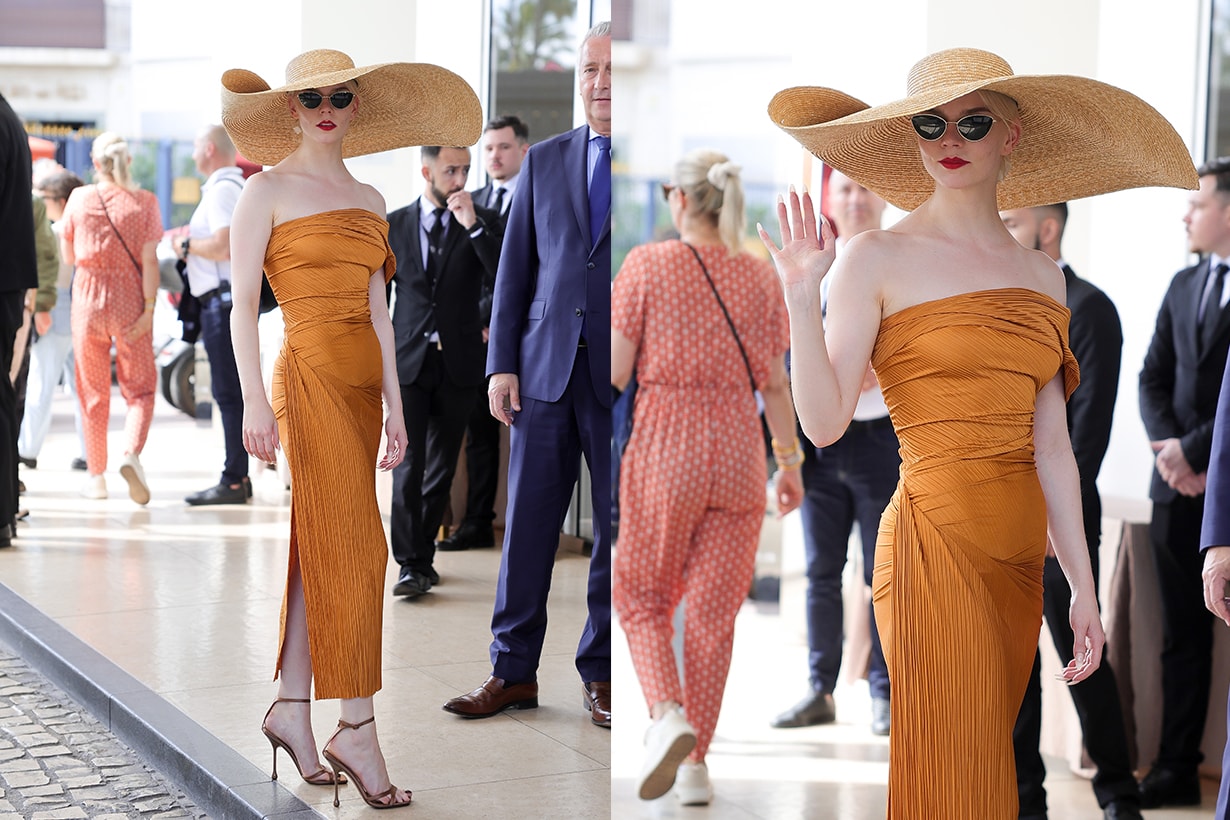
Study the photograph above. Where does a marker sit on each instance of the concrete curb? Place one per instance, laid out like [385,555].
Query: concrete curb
[215,776]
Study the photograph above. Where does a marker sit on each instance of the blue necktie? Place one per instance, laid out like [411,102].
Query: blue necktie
[600,190]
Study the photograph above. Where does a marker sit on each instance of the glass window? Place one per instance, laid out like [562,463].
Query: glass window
[533,63]
[1218,137]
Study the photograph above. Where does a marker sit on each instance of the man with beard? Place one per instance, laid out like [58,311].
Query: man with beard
[447,251]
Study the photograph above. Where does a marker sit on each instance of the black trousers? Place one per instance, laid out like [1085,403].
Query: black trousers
[436,411]
[482,464]
[1096,699]
[1187,631]
[11,304]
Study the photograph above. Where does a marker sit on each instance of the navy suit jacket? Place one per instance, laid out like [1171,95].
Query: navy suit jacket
[1180,382]
[552,280]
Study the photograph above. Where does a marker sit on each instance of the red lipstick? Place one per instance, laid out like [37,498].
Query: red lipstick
[953,163]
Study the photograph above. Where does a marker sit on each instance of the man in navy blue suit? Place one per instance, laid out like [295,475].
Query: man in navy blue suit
[550,367]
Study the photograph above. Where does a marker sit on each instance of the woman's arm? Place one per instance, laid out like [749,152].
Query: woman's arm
[1065,527]
[828,369]
[779,414]
[395,425]
[250,231]
[149,288]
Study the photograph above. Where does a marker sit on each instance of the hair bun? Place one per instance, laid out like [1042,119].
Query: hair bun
[720,172]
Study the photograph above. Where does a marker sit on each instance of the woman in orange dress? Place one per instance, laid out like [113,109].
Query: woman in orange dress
[692,488]
[967,332]
[321,237]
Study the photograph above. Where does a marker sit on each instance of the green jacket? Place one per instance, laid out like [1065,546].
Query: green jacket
[47,249]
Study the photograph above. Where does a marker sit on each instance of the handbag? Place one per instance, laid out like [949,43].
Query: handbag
[189,307]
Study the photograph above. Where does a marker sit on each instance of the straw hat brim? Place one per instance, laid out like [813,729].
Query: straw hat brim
[400,105]
[1079,137]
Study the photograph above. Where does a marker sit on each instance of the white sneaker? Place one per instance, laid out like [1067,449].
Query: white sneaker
[131,472]
[692,785]
[95,487]
[667,743]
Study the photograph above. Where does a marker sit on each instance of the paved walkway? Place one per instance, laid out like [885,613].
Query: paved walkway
[58,763]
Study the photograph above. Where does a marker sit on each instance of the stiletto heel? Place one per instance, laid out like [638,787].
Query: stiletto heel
[322,777]
[339,767]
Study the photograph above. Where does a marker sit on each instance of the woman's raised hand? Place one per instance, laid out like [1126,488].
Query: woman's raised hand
[805,256]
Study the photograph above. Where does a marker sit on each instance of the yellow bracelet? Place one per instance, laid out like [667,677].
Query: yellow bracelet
[778,448]
[796,465]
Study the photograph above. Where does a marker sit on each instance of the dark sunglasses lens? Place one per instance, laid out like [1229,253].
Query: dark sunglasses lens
[340,99]
[975,126]
[666,191]
[310,99]
[928,126]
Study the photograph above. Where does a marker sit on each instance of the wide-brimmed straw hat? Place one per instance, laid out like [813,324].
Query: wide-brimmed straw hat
[1079,137]
[400,104]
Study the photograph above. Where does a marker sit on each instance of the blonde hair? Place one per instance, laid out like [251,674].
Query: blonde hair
[110,151]
[714,188]
[1004,109]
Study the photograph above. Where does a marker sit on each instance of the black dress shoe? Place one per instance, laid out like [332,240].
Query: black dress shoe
[468,537]
[80,464]
[32,463]
[433,576]
[816,708]
[221,494]
[1166,787]
[880,717]
[1122,810]
[411,584]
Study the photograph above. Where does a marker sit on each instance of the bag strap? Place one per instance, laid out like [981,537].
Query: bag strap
[140,271]
[726,313]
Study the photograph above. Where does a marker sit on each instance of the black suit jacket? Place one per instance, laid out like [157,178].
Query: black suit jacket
[1179,382]
[481,197]
[1095,337]
[451,307]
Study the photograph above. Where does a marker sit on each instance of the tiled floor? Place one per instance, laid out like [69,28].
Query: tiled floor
[187,601]
[834,772]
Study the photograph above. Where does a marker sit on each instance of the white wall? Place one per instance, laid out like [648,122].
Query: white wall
[180,53]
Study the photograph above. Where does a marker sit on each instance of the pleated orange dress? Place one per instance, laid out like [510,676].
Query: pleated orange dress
[958,577]
[328,403]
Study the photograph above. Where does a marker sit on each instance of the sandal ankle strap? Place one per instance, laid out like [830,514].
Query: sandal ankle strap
[341,724]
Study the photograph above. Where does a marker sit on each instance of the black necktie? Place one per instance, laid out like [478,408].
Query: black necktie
[498,204]
[1213,308]
[600,189]
[435,245]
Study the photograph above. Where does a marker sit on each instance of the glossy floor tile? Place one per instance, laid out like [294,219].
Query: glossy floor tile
[833,772]
[187,600]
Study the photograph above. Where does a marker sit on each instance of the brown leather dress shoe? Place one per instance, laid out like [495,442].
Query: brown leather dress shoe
[598,702]
[494,697]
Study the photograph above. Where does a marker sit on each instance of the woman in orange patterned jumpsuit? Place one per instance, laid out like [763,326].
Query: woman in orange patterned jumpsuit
[321,237]
[967,332]
[692,489]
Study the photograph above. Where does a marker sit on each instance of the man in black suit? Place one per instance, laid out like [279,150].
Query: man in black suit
[1179,385]
[505,143]
[18,273]
[1096,338]
[447,252]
